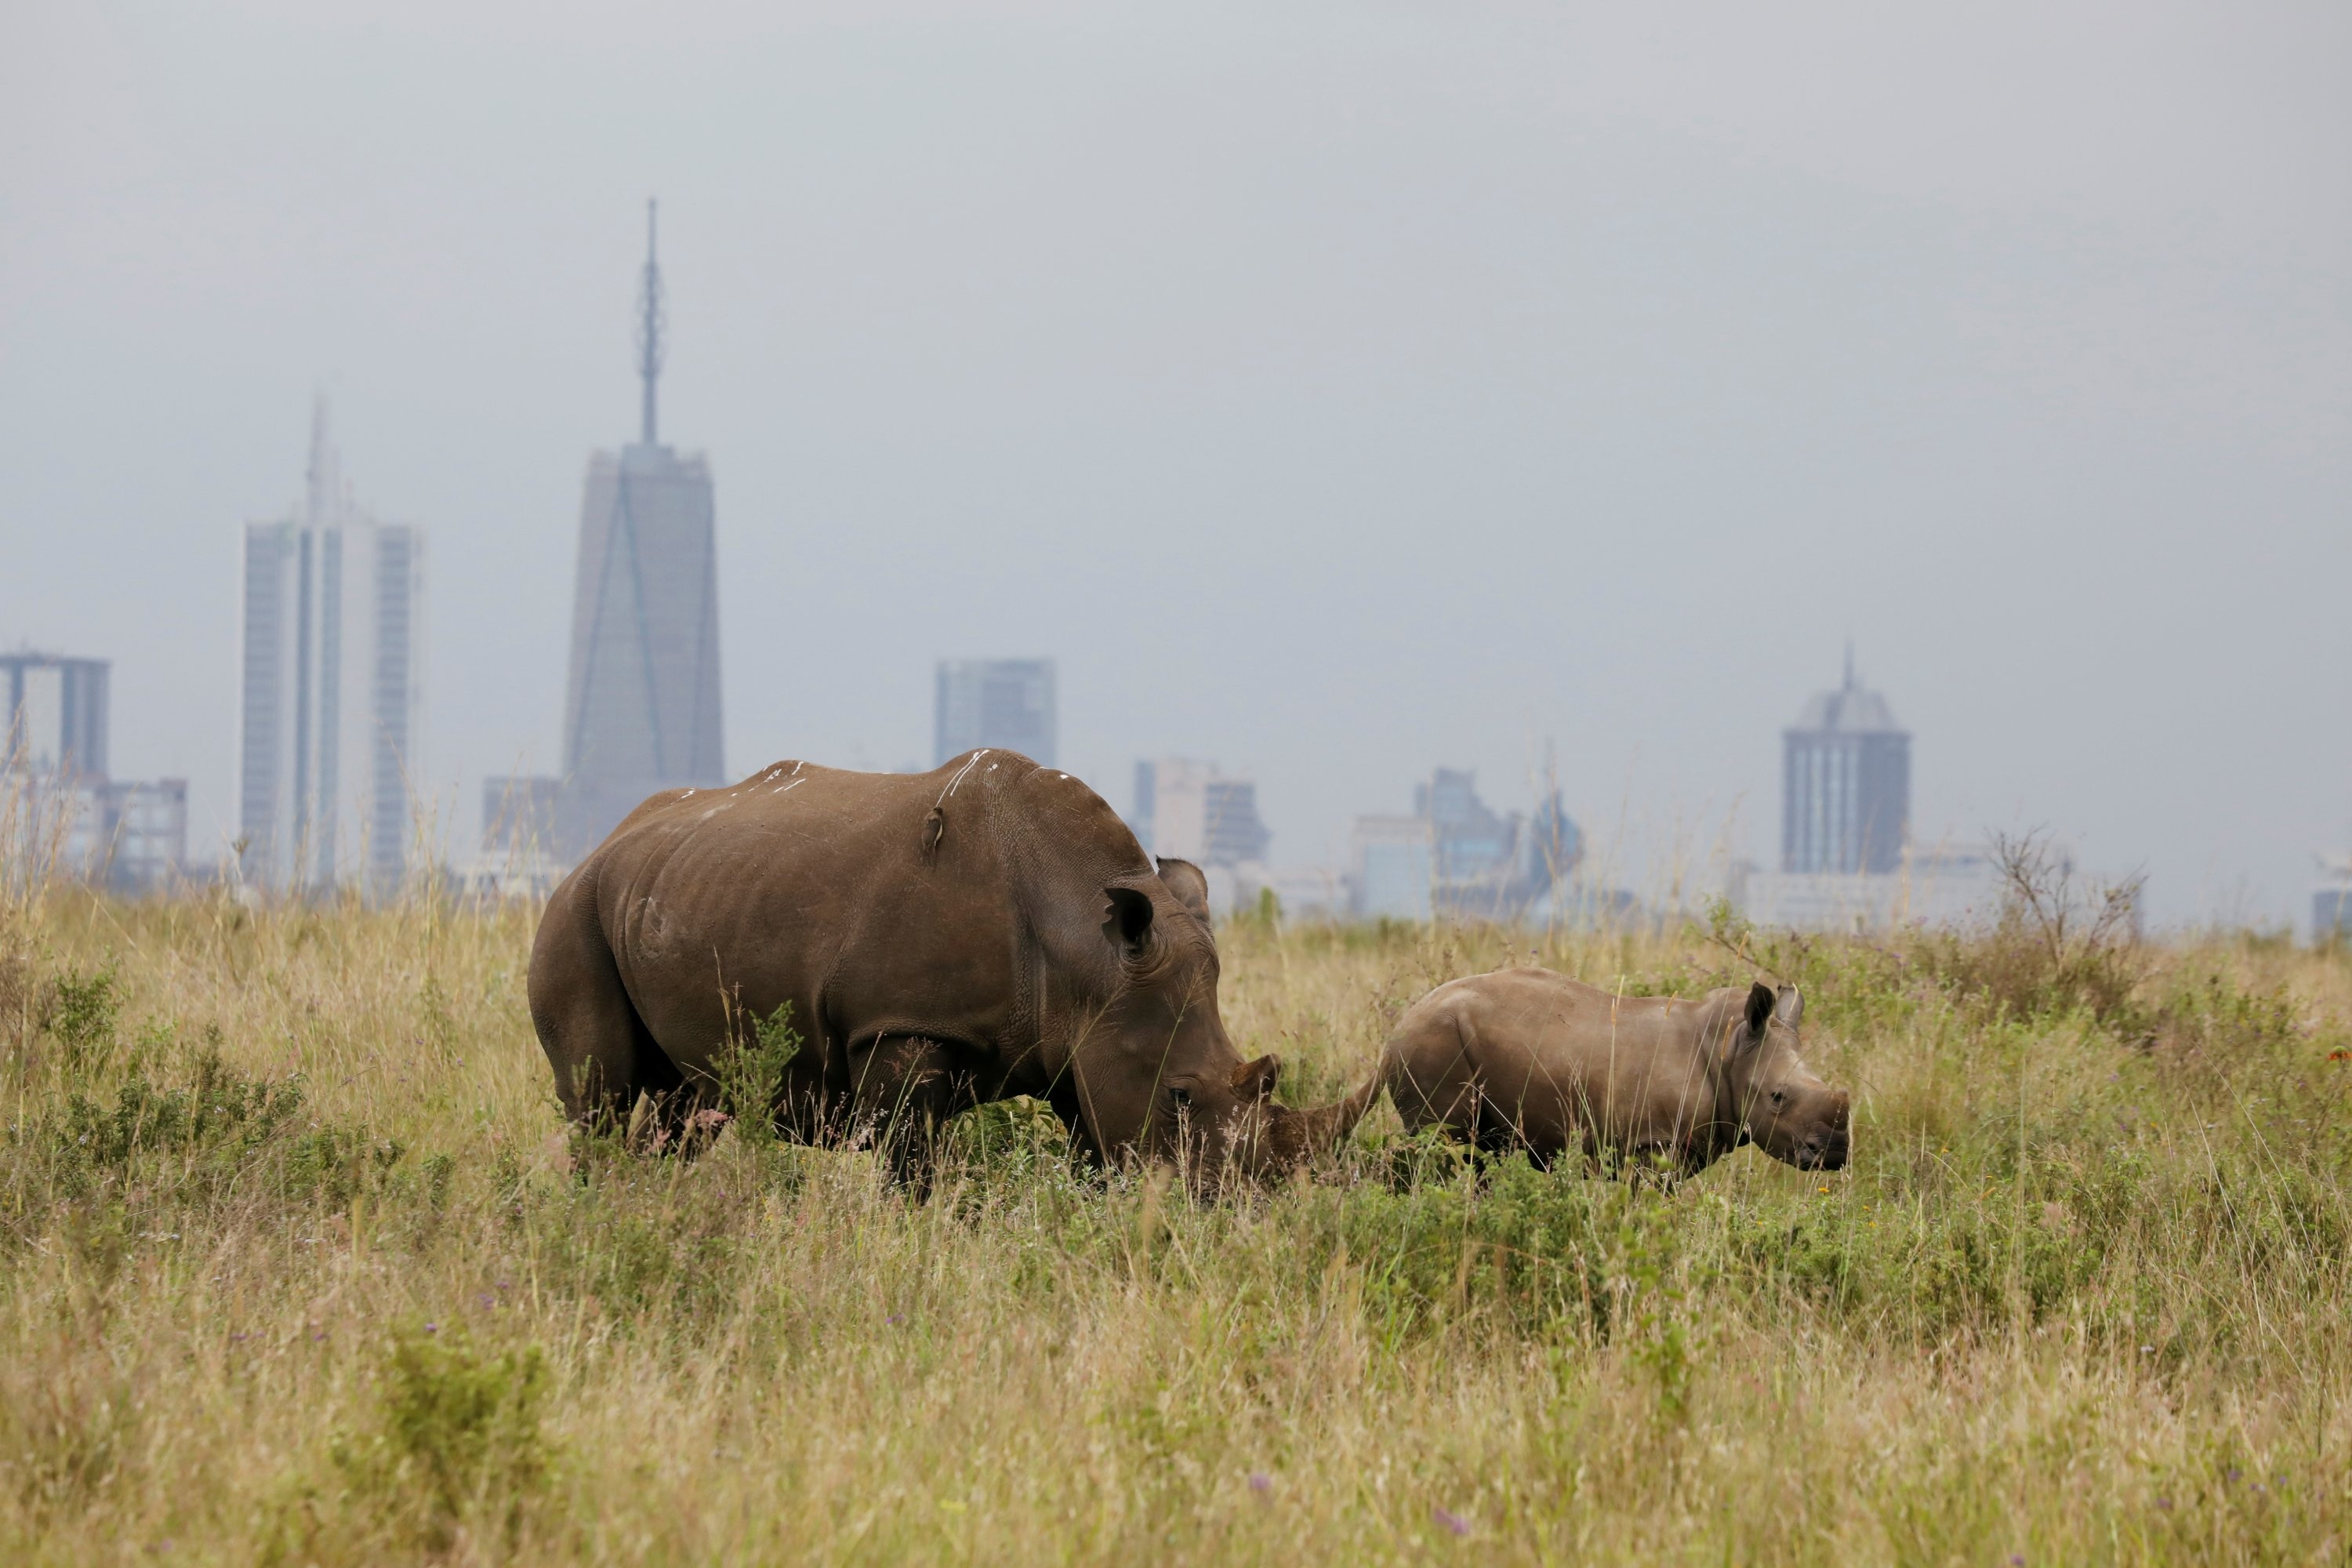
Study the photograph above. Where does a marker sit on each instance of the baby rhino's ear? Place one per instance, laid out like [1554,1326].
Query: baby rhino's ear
[1760,1003]
[1791,1007]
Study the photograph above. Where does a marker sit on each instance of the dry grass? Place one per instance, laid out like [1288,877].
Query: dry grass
[293,1267]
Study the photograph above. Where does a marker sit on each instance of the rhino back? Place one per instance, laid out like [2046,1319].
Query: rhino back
[1552,1057]
[814,887]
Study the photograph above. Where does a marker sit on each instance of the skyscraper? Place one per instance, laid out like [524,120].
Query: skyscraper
[641,708]
[1845,799]
[1003,702]
[332,689]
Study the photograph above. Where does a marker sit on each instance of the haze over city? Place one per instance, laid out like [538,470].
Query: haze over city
[1335,393]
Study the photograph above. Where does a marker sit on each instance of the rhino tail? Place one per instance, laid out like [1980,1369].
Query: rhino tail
[1327,1126]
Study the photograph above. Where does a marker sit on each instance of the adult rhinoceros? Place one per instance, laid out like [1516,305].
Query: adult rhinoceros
[987,929]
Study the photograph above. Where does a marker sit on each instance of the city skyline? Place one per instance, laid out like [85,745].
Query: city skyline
[1597,386]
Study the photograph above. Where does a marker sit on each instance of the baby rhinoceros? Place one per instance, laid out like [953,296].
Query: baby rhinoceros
[1525,1058]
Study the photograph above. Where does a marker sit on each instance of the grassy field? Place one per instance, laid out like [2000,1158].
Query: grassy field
[295,1265]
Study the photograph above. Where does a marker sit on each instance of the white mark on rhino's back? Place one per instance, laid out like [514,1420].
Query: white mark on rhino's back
[968,766]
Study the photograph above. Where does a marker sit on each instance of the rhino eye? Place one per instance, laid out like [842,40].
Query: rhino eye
[1181,1095]
[1779,1096]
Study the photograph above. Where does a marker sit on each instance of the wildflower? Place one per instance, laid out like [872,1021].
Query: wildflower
[1451,1521]
[2165,1503]
[1259,1481]
[432,1328]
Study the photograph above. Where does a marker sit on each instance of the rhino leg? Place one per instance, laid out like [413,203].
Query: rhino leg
[603,1055]
[903,1089]
[1432,1081]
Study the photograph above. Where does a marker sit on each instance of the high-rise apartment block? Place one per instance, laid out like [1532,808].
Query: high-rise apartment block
[61,807]
[641,708]
[1845,803]
[1188,811]
[55,713]
[1006,704]
[332,695]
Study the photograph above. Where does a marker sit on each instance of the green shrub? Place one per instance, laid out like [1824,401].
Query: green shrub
[80,1016]
[458,1436]
[750,1074]
[213,1119]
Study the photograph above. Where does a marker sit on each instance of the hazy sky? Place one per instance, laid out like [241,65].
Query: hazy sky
[1336,391]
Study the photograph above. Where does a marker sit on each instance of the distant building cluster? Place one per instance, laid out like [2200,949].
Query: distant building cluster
[59,808]
[1454,855]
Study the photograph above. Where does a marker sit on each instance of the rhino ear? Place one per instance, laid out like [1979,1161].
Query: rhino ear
[1790,1005]
[1255,1080]
[1129,924]
[1761,1000]
[1189,884]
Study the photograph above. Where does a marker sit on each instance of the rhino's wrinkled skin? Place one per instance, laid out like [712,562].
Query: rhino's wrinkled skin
[1525,1058]
[987,929]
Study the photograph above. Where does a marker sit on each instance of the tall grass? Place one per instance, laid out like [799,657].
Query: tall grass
[298,1265]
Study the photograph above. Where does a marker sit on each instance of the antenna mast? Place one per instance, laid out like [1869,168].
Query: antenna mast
[650,321]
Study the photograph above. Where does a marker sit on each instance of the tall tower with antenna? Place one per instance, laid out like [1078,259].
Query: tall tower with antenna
[641,708]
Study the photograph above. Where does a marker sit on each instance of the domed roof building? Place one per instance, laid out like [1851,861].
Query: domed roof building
[1845,801]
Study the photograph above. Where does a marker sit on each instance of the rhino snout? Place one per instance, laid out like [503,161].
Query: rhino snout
[1827,1146]
[1823,1151]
